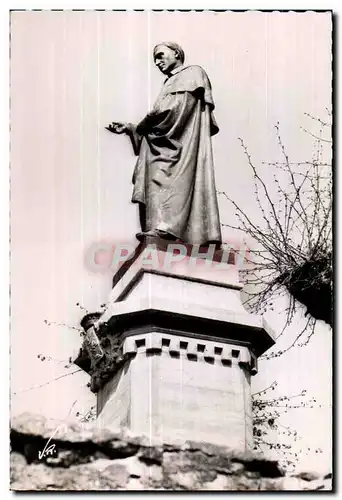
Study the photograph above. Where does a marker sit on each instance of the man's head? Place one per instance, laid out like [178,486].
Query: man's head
[168,56]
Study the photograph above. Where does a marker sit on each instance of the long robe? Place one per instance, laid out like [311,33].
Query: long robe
[174,175]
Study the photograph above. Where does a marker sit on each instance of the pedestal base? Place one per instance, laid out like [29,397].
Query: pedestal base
[178,388]
[188,350]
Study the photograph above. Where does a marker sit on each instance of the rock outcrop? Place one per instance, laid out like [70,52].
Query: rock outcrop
[54,455]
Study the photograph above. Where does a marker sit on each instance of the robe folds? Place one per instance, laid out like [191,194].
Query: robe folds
[174,174]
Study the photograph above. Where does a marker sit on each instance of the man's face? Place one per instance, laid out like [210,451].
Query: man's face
[165,59]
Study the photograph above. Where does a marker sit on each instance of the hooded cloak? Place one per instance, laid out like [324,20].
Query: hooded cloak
[174,174]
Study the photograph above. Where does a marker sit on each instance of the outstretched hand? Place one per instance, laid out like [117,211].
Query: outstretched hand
[118,128]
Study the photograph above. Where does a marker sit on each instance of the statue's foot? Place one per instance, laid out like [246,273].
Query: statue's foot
[155,234]
[165,235]
[146,234]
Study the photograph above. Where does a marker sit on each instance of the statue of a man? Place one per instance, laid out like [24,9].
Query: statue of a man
[174,176]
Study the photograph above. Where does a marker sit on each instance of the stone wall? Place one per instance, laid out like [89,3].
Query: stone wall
[82,457]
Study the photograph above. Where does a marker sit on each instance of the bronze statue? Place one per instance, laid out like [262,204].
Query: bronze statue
[173,179]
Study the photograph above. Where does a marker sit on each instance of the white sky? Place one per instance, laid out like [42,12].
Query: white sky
[72,73]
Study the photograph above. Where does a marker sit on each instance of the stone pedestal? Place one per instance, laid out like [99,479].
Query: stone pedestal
[187,351]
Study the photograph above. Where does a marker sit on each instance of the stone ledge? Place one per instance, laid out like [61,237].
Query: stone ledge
[189,267]
[167,313]
[90,459]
